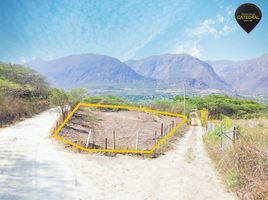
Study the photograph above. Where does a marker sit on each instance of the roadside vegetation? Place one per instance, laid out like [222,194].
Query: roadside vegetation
[219,106]
[164,105]
[106,99]
[23,93]
[243,165]
[216,105]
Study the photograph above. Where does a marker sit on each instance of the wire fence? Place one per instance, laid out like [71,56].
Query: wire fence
[228,136]
[139,142]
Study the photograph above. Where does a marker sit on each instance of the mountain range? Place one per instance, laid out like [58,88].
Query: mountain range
[246,77]
[88,70]
[161,71]
[176,69]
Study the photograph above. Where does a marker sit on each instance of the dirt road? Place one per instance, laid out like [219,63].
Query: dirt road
[33,166]
[30,166]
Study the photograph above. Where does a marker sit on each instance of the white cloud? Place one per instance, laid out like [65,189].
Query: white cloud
[226,28]
[216,27]
[220,18]
[189,48]
[207,27]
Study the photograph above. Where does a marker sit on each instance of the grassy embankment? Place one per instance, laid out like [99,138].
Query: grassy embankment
[23,93]
[244,165]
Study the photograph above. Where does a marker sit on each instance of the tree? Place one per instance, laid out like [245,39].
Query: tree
[40,85]
[76,96]
[60,98]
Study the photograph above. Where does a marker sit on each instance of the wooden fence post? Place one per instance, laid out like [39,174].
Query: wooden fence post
[173,123]
[137,139]
[161,129]
[234,135]
[88,138]
[106,143]
[114,138]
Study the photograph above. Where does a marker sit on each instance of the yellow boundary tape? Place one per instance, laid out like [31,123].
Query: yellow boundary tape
[55,134]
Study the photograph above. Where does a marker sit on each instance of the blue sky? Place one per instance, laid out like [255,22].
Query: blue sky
[127,29]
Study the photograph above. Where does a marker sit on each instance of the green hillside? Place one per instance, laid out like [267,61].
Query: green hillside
[23,92]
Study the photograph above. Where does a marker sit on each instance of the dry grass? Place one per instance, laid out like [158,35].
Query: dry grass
[14,109]
[254,132]
[244,166]
[246,171]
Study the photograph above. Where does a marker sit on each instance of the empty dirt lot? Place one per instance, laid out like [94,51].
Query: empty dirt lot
[123,129]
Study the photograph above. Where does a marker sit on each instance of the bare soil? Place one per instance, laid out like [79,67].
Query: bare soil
[126,125]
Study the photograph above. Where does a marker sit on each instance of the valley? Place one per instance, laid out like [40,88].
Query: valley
[162,75]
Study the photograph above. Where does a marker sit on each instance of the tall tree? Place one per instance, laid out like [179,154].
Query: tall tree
[76,96]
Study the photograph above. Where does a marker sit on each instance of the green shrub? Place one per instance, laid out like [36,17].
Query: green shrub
[219,105]
[23,93]
[107,99]
[227,122]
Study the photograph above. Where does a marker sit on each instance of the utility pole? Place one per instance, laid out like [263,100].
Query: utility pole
[184,99]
